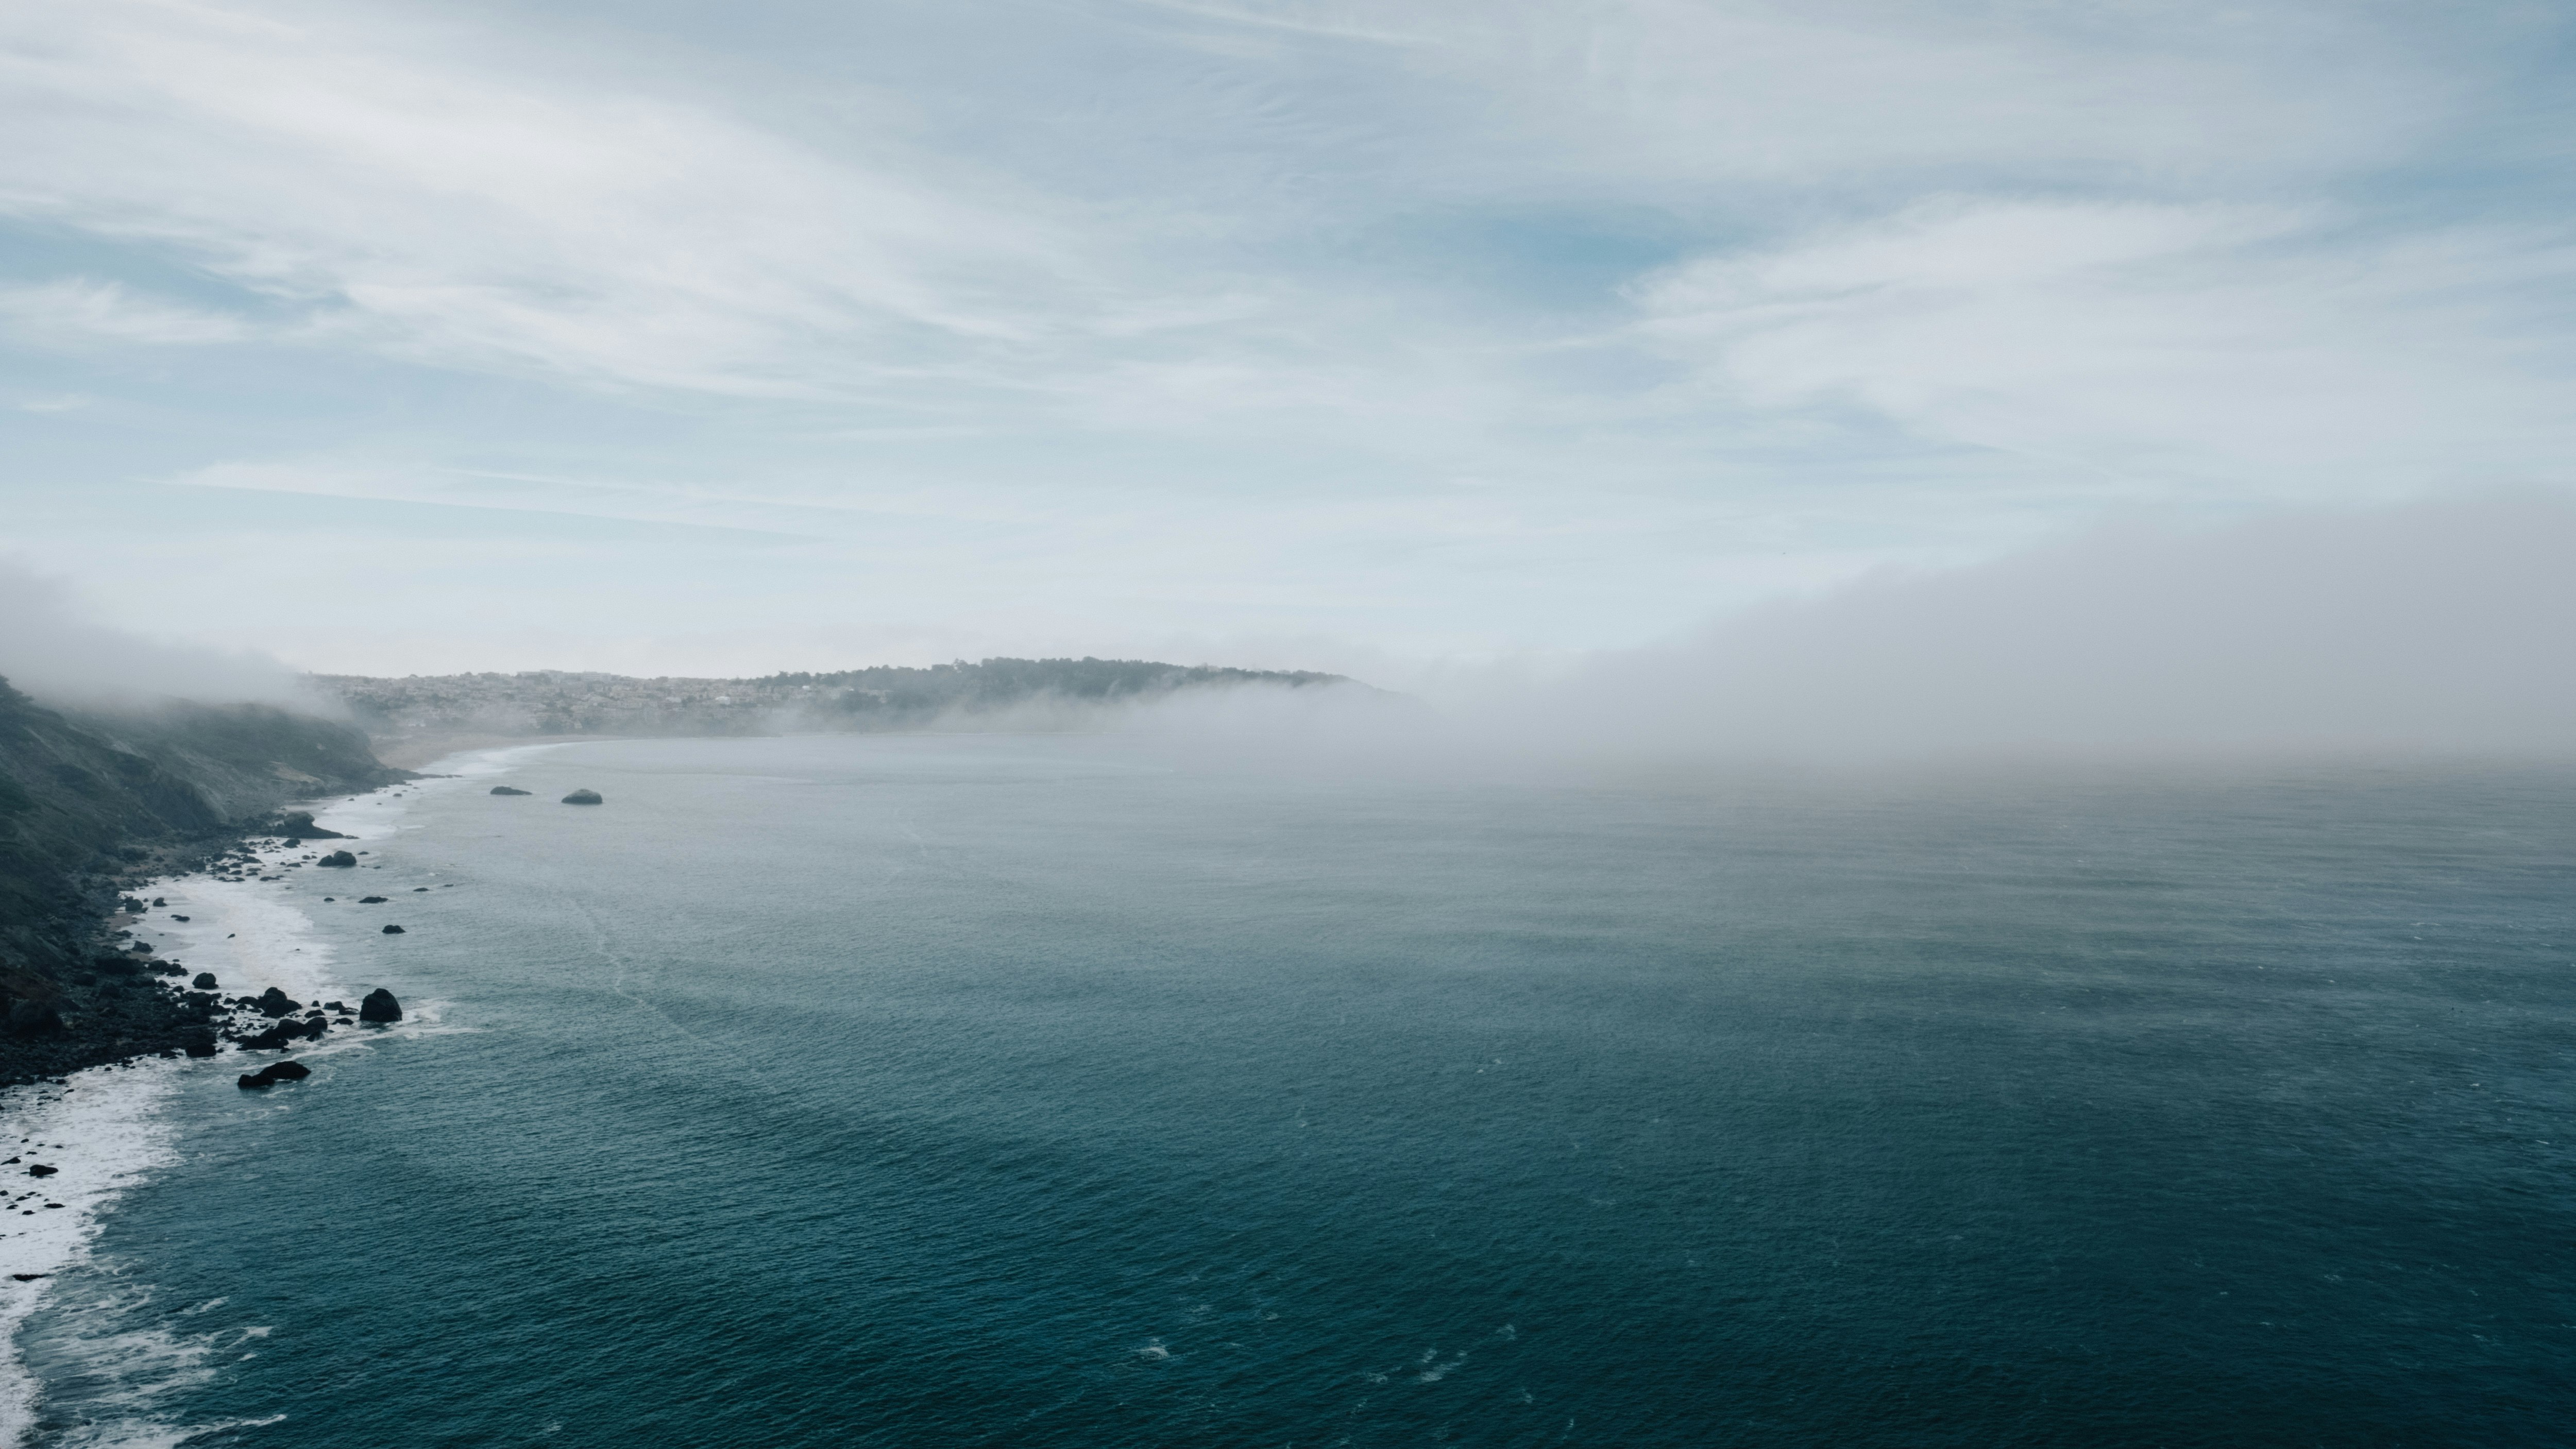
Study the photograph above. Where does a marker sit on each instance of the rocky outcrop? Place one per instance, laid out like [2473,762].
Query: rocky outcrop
[95,805]
[393,930]
[285,1034]
[506,790]
[338,860]
[276,1072]
[380,1007]
[205,981]
[298,825]
[274,1002]
[583,797]
[371,900]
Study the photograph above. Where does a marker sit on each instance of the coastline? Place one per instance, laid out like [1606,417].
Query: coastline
[422,753]
[107,1127]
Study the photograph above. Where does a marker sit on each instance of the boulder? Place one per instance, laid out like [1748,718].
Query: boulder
[584,797]
[371,900]
[205,981]
[506,790]
[299,826]
[199,1046]
[285,1034]
[39,1169]
[393,930]
[338,860]
[274,1073]
[274,1002]
[380,1007]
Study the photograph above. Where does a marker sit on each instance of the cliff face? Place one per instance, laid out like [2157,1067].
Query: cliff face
[92,805]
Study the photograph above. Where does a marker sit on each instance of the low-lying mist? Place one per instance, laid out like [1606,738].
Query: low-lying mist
[53,651]
[2435,628]
[2430,629]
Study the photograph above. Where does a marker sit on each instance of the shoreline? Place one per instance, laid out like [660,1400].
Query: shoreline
[107,1127]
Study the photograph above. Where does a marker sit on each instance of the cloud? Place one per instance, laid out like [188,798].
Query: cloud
[408,192]
[76,311]
[1441,327]
[2200,344]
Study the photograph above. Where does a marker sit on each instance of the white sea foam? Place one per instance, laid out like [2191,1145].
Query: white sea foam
[112,1131]
[112,1122]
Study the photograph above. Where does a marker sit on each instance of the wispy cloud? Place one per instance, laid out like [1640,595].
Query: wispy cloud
[2195,346]
[1399,315]
[78,312]
[416,193]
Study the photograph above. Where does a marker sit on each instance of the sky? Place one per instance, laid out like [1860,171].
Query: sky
[688,338]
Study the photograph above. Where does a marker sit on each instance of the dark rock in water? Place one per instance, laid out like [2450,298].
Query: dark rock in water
[506,790]
[255,1079]
[584,797]
[274,1002]
[198,1046]
[286,1071]
[300,826]
[380,1006]
[285,1034]
[205,981]
[338,860]
[371,900]
[156,900]
[393,930]
[177,917]
[41,1170]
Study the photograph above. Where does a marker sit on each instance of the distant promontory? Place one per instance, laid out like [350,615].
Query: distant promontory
[956,695]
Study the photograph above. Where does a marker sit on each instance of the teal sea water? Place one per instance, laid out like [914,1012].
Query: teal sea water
[1050,1091]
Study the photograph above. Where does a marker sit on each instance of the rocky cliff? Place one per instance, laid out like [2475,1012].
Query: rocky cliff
[92,805]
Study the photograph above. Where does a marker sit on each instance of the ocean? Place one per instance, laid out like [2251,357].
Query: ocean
[1072,1090]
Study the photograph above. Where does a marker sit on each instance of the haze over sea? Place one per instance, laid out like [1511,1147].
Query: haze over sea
[1078,1090]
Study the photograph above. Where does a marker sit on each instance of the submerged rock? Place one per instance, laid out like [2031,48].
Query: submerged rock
[506,790]
[338,860]
[380,1007]
[371,900]
[584,797]
[393,930]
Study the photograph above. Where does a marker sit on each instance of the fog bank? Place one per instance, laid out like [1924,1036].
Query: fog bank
[51,649]
[2439,626]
